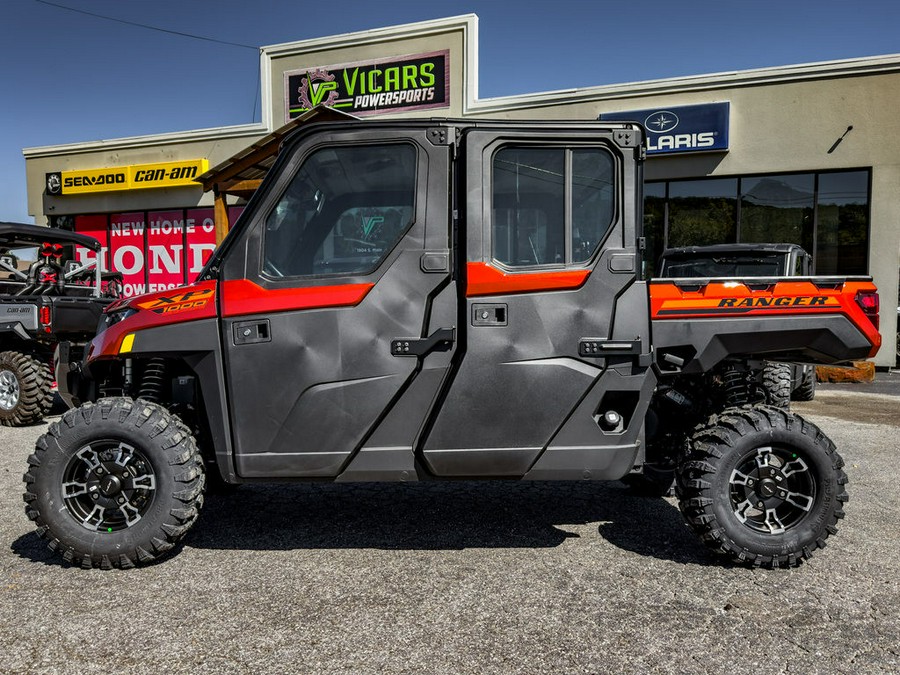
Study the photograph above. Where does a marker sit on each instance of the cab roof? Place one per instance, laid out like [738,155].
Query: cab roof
[14,235]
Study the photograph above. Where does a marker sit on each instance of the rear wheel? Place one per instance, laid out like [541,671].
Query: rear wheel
[114,484]
[26,394]
[777,383]
[762,486]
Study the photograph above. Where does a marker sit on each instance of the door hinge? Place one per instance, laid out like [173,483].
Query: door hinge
[442,339]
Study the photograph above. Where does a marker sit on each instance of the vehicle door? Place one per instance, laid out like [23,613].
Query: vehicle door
[327,299]
[554,331]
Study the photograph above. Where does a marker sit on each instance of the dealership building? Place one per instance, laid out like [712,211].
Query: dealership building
[807,153]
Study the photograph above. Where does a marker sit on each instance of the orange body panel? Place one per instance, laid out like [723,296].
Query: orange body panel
[485,279]
[733,299]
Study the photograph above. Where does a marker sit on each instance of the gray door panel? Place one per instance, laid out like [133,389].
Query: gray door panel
[310,387]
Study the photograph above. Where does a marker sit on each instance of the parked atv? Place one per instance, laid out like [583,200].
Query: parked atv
[46,296]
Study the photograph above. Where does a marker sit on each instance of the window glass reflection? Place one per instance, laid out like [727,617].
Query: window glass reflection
[843,214]
[702,212]
[778,209]
[825,213]
[654,225]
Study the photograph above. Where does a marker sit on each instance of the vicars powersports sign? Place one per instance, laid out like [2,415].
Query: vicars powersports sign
[414,82]
[689,128]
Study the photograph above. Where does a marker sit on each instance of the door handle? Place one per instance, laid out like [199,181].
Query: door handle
[252,332]
[441,339]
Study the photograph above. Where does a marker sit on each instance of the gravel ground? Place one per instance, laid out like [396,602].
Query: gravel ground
[466,578]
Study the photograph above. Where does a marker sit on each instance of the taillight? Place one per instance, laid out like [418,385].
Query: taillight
[868,302]
[44,316]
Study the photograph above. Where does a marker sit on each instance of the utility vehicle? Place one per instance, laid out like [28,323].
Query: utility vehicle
[440,300]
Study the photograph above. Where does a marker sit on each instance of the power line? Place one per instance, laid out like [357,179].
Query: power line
[142,25]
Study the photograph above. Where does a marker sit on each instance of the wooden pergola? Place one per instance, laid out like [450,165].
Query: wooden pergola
[241,174]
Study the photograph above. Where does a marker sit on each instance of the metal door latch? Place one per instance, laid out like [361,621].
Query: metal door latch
[442,339]
[252,332]
[600,347]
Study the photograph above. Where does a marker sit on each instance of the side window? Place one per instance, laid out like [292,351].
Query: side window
[343,212]
[550,206]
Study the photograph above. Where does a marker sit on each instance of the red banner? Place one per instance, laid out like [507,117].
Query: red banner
[201,237]
[166,251]
[96,227]
[127,246]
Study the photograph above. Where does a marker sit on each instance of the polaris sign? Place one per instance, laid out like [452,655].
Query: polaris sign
[688,128]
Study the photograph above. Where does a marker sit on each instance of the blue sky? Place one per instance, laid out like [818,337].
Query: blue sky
[68,77]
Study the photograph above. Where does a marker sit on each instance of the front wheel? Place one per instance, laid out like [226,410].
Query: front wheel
[114,484]
[762,486]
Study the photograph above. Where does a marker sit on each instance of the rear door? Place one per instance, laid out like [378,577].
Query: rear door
[330,297]
[554,327]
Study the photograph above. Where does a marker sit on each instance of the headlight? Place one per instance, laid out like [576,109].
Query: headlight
[112,318]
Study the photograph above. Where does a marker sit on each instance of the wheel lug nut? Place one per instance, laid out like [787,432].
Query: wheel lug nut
[95,496]
[751,482]
[121,500]
[782,494]
[759,505]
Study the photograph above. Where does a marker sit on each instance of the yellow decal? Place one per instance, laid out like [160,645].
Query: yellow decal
[134,177]
[127,344]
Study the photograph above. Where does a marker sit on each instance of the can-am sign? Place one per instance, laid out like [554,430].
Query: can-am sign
[689,128]
[134,177]
[414,82]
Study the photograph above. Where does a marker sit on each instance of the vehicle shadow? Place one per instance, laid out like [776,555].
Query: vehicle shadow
[431,516]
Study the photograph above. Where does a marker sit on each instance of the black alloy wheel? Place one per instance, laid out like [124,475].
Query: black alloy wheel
[772,489]
[116,483]
[762,486]
[108,486]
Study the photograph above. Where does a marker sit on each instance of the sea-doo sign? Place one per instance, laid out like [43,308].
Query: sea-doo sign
[414,82]
[134,177]
[688,128]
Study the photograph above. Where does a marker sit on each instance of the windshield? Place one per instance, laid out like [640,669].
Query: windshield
[751,264]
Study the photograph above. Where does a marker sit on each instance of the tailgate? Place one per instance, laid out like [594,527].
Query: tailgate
[698,322]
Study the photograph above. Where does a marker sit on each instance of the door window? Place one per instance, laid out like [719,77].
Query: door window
[550,206]
[343,212]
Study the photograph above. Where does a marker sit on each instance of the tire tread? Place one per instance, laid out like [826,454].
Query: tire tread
[700,464]
[180,451]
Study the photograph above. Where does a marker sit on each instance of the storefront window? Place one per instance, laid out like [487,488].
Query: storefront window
[843,214]
[702,212]
[654,225]
[825,213]
[127,250]
[778,209]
